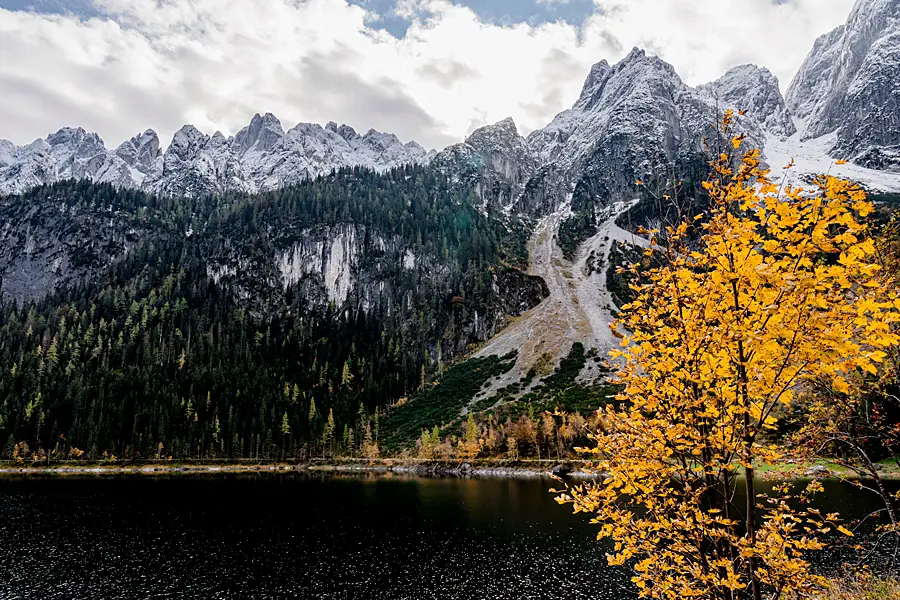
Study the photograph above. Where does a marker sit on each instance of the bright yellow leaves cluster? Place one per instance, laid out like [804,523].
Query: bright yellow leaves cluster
[778,288]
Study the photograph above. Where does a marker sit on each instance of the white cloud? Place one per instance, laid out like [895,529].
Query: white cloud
[214,63]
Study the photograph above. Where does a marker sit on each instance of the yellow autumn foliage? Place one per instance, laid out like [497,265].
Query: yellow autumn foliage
[780,289]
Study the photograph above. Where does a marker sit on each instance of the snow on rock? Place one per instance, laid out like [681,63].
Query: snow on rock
[260,157]
[755,91]
[811,158]
[68,153]
[850,85]
[812,83]
[7,153]
[494,160]
[197,165]
[637,117]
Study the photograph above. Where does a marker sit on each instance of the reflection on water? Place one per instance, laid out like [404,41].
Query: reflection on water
[277,536]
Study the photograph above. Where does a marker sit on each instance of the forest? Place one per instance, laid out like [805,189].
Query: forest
[151,357]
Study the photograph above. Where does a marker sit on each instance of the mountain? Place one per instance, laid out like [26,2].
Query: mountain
[269,292]
[494,160]
[58,241]
[755,91]
[847,91]
[260,157]
[632,120]
[637,118]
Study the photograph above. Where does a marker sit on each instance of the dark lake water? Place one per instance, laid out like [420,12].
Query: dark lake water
[274,536]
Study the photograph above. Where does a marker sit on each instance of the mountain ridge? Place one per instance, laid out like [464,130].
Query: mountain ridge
[259,157]
[636,114]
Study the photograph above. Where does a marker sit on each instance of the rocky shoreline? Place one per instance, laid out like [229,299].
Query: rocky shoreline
[412,468]
[482,468]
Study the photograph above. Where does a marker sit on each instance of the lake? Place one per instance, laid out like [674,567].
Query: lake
[300,536]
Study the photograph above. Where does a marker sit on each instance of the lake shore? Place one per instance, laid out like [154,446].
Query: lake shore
[499,468]
[410,467]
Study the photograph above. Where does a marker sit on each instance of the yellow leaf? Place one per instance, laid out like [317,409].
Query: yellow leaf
[844,530]
[841,385]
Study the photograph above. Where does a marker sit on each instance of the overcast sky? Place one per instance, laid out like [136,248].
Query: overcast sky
[429,70]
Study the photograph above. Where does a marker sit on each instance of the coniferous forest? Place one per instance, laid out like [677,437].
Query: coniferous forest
[149,355]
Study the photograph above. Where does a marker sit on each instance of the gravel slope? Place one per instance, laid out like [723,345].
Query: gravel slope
[578,307]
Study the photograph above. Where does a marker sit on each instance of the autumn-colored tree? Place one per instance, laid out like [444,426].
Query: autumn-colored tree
[548,430]
[858,425]
[470,445]
[370,446]
[779,290]
[428,443]
[512,448]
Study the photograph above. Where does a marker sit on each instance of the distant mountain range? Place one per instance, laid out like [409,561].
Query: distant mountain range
[631,119]
[260,157]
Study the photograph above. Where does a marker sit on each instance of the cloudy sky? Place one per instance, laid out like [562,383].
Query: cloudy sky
[429,70]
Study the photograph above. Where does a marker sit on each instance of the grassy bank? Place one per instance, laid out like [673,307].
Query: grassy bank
[864,588]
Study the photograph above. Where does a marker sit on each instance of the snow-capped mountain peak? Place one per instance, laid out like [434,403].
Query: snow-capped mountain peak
[594,83]
[261,135]
[187,140]
[8,152]
[755,91]
[140,151]
[261,156]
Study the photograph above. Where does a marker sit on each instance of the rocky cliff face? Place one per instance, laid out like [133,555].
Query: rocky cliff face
[260,157]
[632,119]
[59,241]
[849,86]
[754,90]
[494,160]
[355,268]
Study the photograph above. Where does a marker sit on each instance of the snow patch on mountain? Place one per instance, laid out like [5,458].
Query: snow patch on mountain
[810,158]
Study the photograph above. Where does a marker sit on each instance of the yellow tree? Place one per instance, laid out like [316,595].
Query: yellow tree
[778,290]
[857,427]
[370,446]
[470,445]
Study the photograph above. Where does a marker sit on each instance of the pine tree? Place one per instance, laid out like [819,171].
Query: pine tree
[328,433]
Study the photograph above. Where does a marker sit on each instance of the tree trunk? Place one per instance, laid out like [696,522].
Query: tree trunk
[751,529]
